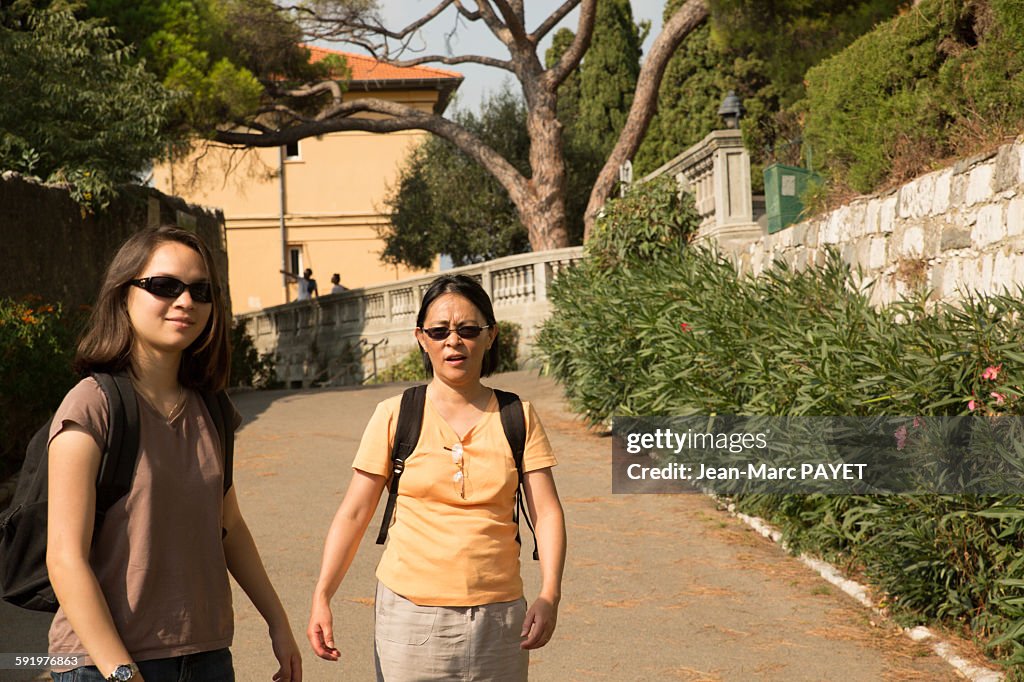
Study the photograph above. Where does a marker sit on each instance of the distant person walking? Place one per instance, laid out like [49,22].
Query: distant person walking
[337,286]
[307,285]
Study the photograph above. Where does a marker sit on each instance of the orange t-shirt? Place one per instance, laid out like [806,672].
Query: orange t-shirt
[444,550]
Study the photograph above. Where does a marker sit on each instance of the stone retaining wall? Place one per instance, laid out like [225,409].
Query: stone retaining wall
[956,230]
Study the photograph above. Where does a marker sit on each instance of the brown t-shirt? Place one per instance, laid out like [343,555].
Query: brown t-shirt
[158,555]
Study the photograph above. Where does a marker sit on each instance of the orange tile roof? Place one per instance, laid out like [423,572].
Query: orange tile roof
[366,68]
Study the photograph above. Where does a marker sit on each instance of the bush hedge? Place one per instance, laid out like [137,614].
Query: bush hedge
[942,76]
[36,350]
[678,332]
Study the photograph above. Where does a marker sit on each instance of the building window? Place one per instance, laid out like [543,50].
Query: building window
[291,151]
[295,259]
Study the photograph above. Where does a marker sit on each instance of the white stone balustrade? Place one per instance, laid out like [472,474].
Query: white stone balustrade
[716,171]
[318,341]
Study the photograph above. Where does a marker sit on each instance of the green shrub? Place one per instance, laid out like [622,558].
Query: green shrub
[36,350]
[685,334]
[408,368]
[508,351]
[653,218]
[943,74]
[248,367]
[680,332]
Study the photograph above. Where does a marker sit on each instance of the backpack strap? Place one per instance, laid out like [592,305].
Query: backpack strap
[513,421]
[219,406]
[117,465]
[407,433]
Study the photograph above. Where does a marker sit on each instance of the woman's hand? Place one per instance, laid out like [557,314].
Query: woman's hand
[287,653]
[321,631]
[539,624]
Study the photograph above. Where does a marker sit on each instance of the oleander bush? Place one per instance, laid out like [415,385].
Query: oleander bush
[677,331]
[36,350]
[943,78]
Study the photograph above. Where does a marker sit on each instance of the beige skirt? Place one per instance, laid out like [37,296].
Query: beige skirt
[419,643]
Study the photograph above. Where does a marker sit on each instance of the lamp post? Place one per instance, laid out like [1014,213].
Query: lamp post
[731,110]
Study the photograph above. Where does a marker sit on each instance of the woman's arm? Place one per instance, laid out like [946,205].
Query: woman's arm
[246,566]
[549,523]
[343,538]
[74,460]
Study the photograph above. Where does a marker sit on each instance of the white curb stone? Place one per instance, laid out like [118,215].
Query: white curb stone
[942,648]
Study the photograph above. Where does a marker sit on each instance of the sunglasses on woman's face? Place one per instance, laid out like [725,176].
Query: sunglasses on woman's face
[171,287]
[466,331]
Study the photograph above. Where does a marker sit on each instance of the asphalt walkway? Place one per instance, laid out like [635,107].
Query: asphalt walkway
[657,587]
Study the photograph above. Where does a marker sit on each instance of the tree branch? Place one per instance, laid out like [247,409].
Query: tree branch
[343,117]
[499,29]
[461,59]
[552,21]
[580,44]
[348,21]
[513,21]
[311,89]
[685,19]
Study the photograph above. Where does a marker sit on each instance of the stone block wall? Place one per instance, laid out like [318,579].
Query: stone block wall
[955,230]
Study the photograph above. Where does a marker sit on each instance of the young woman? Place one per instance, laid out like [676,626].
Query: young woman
[149,597]
[449,601]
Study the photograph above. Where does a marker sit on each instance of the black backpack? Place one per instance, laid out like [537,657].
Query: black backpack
[24,580]
[407,433]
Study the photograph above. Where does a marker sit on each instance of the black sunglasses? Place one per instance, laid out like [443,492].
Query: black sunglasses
[171,287]
[466,331]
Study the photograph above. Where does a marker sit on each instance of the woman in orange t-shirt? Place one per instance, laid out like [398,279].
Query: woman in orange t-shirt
[449,600]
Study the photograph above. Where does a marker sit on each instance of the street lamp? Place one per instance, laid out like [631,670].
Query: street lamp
[731,110]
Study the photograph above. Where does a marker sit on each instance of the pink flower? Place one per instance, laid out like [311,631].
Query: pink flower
[971,405]
[918,422]
[1000,398]
[685,327]
[991,372]
[901,437]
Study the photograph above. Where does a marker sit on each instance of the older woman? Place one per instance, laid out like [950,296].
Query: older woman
[449,601]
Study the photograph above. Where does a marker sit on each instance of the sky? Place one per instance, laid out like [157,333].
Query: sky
[475,38]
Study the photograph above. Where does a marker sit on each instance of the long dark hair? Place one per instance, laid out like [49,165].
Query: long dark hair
[106,345]
[469,289]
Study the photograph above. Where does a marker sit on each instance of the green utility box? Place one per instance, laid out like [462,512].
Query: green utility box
[783,186]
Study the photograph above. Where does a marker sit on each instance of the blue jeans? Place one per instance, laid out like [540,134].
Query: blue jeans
[206,666]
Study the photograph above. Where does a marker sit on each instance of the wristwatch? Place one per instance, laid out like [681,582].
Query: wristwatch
[123,673]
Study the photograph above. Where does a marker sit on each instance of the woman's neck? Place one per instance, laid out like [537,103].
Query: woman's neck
[470,393]
[156,372]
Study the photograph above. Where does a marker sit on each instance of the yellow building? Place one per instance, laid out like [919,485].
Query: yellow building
[316,203]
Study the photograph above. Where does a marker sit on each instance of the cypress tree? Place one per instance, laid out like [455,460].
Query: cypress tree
[608,76]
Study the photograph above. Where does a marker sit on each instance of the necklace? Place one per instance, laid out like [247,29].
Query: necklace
[178,403]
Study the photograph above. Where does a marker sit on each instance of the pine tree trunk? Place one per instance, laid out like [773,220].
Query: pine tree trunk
[543,209]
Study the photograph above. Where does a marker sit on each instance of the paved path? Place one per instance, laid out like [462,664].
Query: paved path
[657,587]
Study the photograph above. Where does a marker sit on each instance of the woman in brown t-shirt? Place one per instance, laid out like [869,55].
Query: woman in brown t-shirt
[148,597]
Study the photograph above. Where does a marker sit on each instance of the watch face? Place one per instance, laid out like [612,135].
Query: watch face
[123,673]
